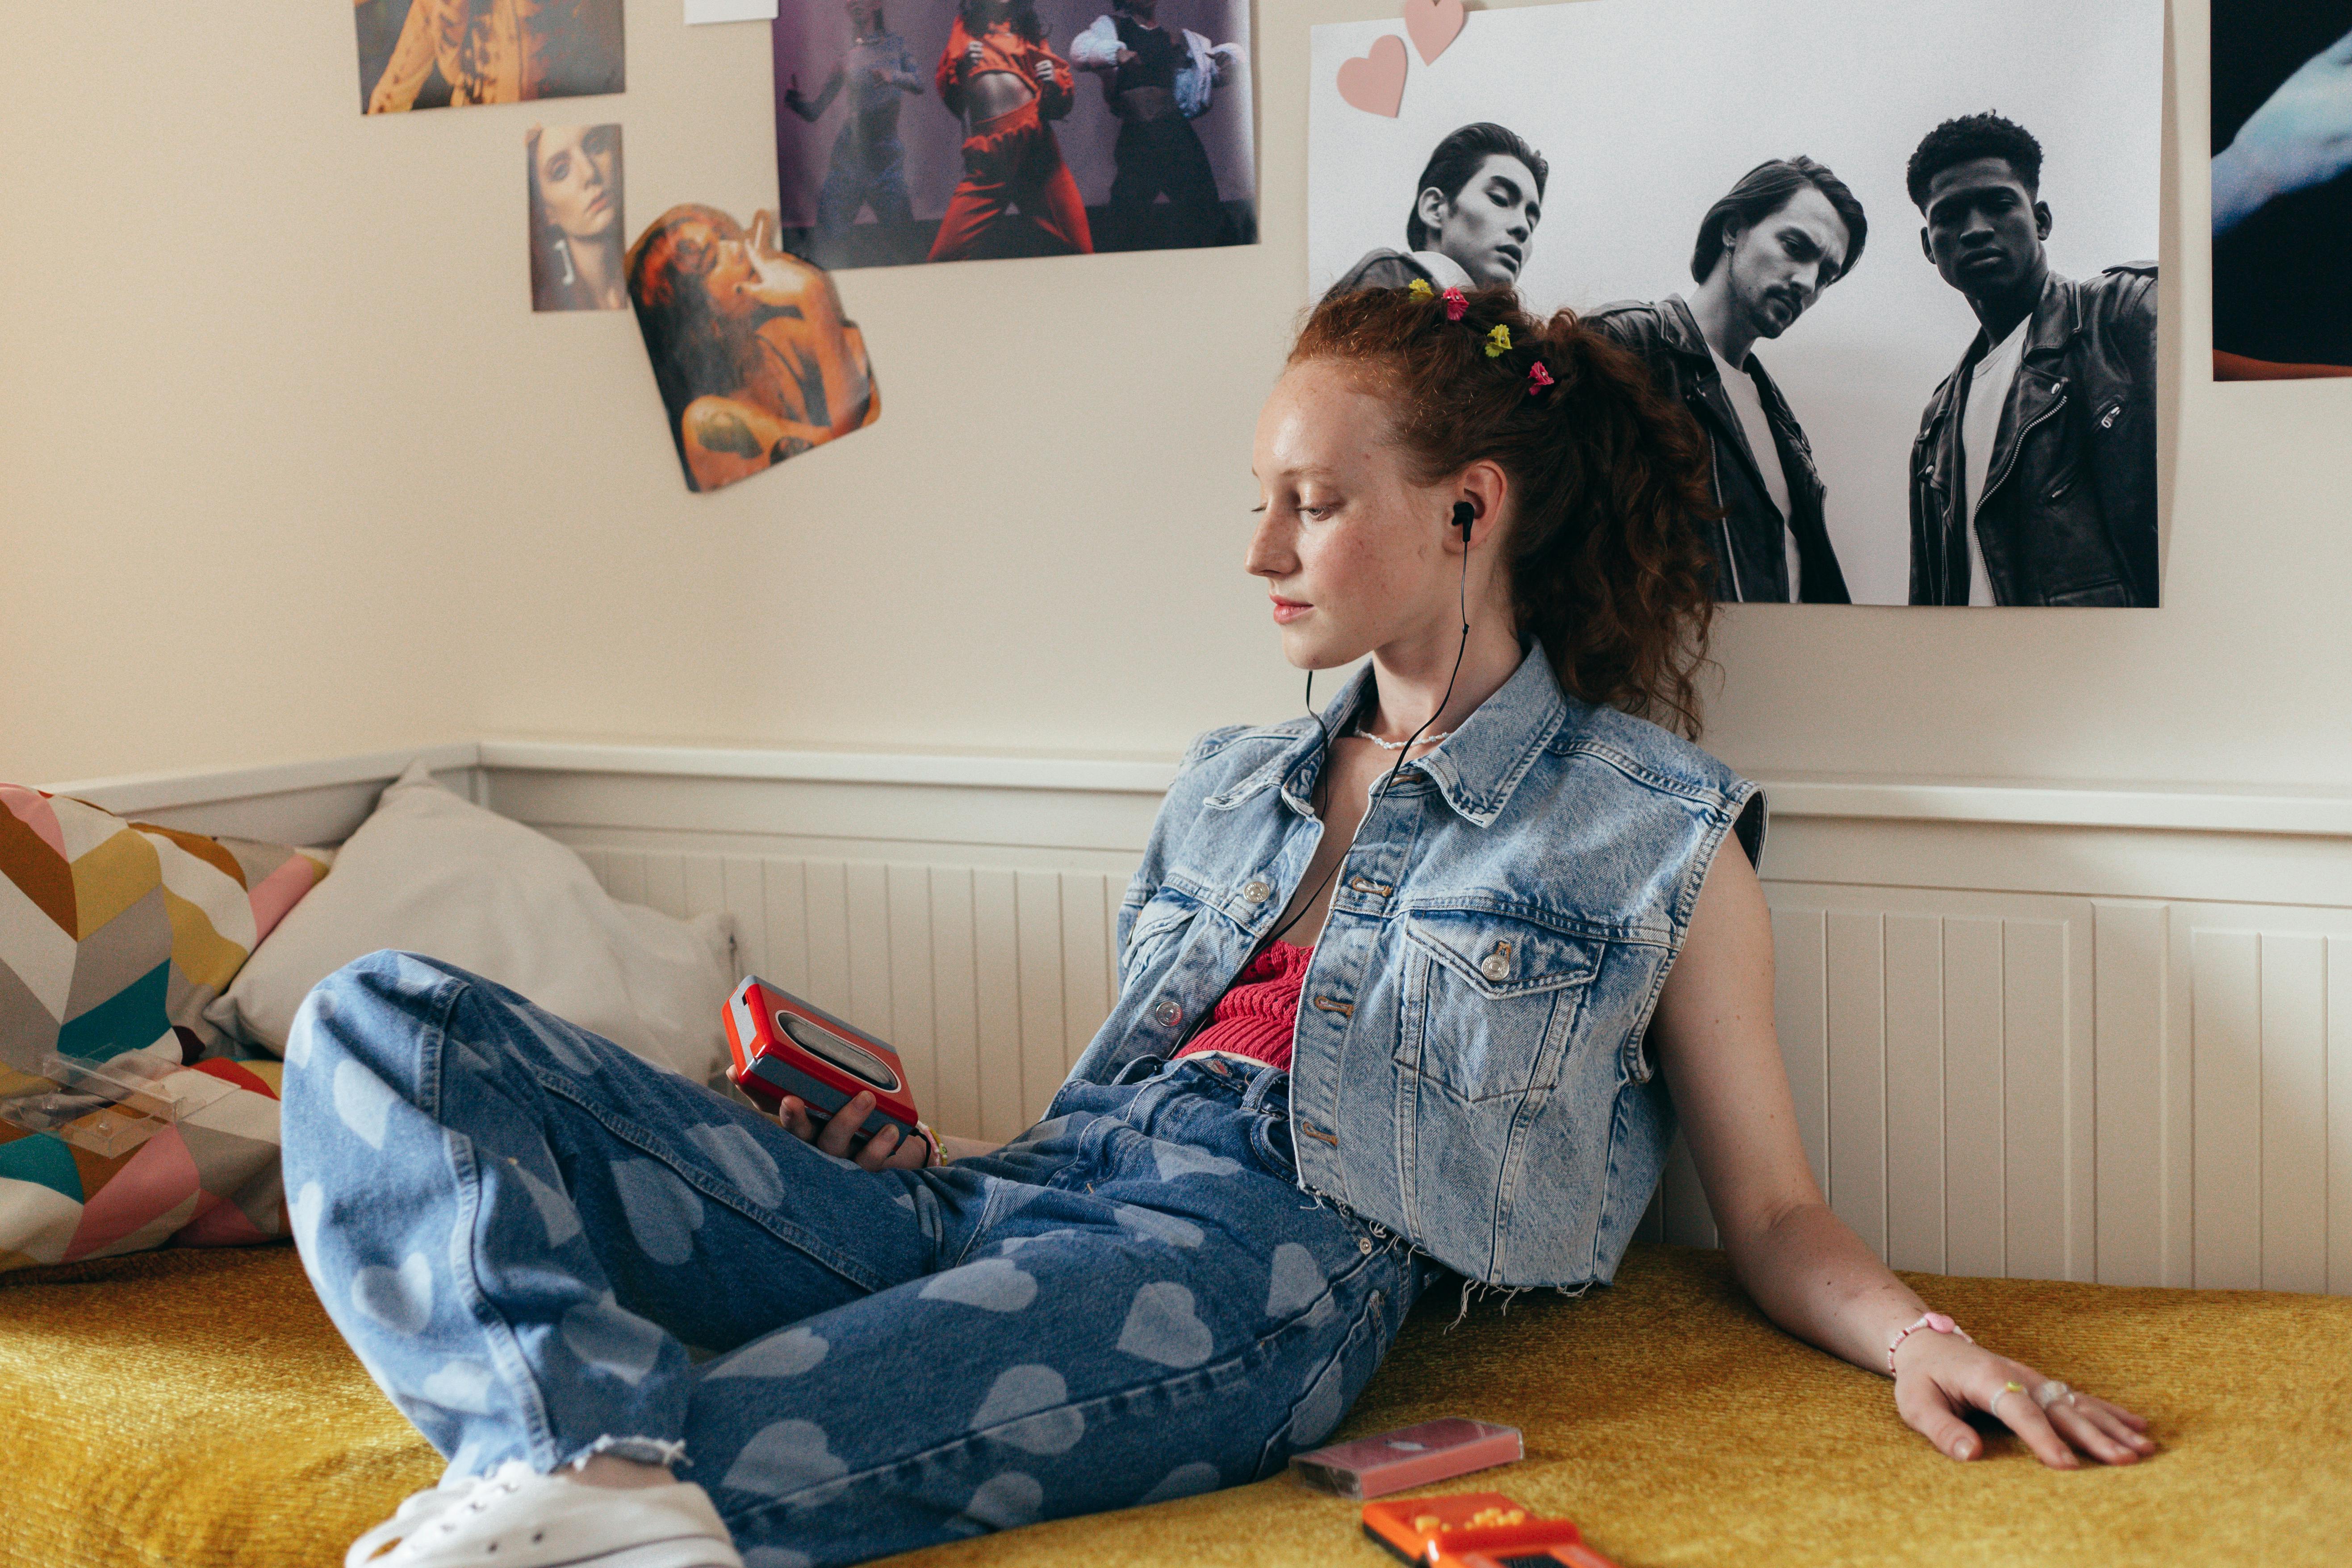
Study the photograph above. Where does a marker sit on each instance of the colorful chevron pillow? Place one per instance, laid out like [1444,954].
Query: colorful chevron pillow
[108,1182]
[113,935]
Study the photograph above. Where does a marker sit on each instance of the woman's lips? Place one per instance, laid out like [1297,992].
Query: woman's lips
[1288,610]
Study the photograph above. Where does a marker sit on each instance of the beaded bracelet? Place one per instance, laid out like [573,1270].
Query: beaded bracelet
[1936,1320]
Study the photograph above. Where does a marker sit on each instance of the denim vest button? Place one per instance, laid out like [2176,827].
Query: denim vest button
[1496,967]
[1257,891]
[1364,1244]
[1168,1014]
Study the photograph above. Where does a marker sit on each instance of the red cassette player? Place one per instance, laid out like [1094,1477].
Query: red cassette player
[781,1045]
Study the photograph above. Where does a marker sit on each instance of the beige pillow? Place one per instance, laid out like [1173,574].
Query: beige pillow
[431,873]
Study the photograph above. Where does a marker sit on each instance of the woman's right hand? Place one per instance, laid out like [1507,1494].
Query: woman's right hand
[971,55]
[886,1150]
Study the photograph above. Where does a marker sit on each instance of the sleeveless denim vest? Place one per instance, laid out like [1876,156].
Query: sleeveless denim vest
[1467,1068]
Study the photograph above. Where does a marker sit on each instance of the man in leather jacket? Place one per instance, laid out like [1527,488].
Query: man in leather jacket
[1788,230]
[2061,489]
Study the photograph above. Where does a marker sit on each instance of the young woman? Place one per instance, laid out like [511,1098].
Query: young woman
[870,161]
[575,217]
[1410,988]
[1156,80]
[1006,82]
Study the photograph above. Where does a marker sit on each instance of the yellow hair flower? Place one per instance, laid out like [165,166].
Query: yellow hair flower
[1498,341]
[1419,289]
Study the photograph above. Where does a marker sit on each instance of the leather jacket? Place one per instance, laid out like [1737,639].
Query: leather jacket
[1752,560]
[2068,515]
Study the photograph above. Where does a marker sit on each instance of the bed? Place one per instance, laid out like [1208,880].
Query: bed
[194,1409]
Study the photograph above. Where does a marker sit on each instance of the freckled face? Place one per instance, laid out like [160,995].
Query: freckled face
[1351,549]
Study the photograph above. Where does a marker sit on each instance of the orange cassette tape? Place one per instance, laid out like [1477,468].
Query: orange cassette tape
[1476,1529]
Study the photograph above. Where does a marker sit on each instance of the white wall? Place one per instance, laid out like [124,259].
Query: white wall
[288,468]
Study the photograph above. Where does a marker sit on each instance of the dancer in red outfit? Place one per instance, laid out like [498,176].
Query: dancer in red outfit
[999,74]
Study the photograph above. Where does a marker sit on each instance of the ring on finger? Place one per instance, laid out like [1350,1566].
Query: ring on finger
[2050,1391]
[1993,1409]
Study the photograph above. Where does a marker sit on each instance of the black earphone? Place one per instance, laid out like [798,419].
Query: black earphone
[1464,514]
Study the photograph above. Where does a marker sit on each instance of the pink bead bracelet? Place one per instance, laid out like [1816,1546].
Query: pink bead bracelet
[1936,1320]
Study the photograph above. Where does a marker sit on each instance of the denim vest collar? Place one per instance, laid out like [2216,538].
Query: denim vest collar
[1474,770]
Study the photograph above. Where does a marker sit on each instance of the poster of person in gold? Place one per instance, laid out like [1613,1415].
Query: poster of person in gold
[755,360]
[436,54]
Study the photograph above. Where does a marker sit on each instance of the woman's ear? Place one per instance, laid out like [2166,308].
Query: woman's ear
[1483,487]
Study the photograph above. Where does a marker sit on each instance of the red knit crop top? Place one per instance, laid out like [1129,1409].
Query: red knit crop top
[1258,1016]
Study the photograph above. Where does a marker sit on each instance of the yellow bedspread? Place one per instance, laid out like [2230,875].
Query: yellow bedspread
[195,1409]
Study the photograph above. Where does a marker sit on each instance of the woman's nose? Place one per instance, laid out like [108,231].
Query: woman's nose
[1269,554]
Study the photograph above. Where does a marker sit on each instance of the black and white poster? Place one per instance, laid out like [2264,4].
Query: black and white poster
[1897,261]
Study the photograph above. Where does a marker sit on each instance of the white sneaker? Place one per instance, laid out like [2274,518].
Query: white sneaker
[517,1518]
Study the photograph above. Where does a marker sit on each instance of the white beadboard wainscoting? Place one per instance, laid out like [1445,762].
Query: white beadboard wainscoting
[2043,1032]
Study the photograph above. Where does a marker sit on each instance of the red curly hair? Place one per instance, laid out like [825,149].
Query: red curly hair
[1609,480]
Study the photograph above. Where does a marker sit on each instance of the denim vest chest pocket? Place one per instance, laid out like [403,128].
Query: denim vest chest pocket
[1490,1001]
[1159,931]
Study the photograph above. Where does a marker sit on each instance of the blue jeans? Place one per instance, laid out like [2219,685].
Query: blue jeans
[521,1229]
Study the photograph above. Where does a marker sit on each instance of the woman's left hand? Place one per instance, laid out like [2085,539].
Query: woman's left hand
[1938,1377]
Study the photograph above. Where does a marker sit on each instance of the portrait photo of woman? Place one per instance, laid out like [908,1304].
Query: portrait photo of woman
[755,360]
[575,217]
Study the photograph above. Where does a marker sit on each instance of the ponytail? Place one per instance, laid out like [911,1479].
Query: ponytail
[1607,565]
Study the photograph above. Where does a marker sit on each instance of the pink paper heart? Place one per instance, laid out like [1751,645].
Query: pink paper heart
[1375,82]
[1434,25]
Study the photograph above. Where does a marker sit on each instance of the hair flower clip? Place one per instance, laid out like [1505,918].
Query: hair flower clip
[1455,303]
[1419,289]
[1498,341]
[1538,378]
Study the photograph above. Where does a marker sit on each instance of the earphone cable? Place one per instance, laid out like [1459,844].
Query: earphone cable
[1462,603]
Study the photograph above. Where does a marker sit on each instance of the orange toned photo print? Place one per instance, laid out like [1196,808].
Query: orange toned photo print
[439,54]
[755,360]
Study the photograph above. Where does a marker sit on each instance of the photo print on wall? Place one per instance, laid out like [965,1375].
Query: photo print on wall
[2282,202]
[911,131]
[573,173]
[754,358]
[437,54]
[1896,261]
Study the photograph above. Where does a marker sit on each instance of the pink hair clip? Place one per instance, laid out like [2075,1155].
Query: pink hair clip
[1455,303]
[1538,378]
